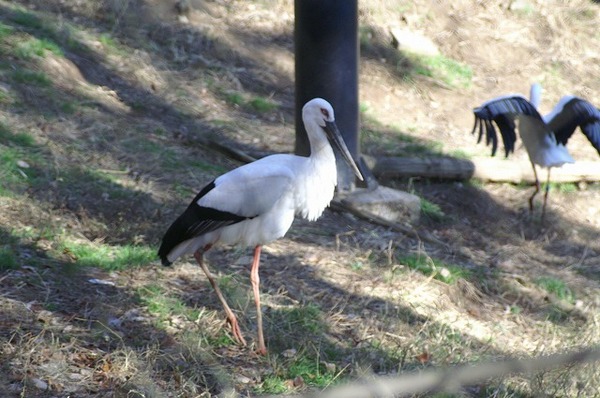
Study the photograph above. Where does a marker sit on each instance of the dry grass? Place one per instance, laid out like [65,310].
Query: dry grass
[112,128]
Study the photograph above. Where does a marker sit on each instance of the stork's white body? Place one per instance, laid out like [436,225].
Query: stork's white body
[270,192]
[539,141]
[256,203]
[541,145]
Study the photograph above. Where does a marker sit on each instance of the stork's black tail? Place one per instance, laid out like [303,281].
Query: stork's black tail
[195,221]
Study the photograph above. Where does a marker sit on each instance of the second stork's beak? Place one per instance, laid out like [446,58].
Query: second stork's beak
[334,135]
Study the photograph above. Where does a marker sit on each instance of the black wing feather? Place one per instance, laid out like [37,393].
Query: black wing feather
[580,113]
[195,221]
[503,112]
[507,129]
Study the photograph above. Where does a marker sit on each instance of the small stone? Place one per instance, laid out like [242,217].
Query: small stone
[289,353]
[95,281]
[23,164]
[39,384]
[243,379]
[407,40]
[329,366]
[444,273]
[387,203]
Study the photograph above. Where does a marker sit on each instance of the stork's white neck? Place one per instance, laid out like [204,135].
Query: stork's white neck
[319,145]
[535,95]
[316,187]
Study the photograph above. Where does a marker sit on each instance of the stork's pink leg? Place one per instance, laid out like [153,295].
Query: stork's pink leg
[546,194]
[255,280]
[537,188]
[231,318]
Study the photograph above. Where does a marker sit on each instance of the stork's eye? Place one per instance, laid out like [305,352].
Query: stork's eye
[325,112]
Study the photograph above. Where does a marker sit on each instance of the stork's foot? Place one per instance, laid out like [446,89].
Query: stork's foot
[261,350]
[237,333]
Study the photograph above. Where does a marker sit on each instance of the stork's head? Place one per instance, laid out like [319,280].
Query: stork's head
[320,112]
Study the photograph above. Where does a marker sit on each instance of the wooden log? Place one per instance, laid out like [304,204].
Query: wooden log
[483,168]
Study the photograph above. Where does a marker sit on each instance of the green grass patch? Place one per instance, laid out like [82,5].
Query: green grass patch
[108,257]
[363,108]
[438,67]
[432,210]
[10,174]
[357,265]
[37,47]
[16,172]
[460,154]
[257,104]
[222,339]
[563,187]
[261,105]
[8,258]
[158,302]
[5,96]
[5,30]
[27,76]
[297,327]
[183,191]
[113,46]
[20,139]
[447,273]
[108,41]
[235,98]
[206,167]
[475,183]
[69,108]
[306,318]
[311,371]
[556,287]
[148,146]
[26,19]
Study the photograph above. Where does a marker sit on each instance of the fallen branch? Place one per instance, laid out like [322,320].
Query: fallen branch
[452,379]
[342,206]
[483,168]
[233,153]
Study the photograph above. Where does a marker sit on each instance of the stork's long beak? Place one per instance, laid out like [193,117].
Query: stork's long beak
[334,136]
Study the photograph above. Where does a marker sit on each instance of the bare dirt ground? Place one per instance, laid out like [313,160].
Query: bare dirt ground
[148,100]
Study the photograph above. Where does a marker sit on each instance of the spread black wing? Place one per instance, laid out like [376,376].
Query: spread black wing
[502,112]
[573,112]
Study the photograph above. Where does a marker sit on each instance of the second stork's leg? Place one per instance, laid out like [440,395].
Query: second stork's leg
[231,318]
[255,280]
[537,188]
[546,194]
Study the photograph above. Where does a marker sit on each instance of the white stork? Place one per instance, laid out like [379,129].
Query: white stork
[544,137]
[256,203]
